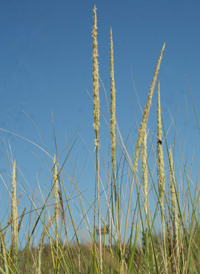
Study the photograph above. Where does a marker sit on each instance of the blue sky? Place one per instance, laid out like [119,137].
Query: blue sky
[45,60]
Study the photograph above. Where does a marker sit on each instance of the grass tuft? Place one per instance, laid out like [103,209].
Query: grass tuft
[153,224]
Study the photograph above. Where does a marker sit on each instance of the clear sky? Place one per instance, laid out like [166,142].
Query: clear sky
[45,60]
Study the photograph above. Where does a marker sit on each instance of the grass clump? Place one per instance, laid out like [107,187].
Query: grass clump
[162,236]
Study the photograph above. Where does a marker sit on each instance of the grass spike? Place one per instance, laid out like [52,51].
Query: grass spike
[96,124]
[56,206]
[145,174]
[174,208]
[145,191]
[14,215]
[160,166]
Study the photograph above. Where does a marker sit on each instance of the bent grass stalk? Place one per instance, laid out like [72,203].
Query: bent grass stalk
[140,139]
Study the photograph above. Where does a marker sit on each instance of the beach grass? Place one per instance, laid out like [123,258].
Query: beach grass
[141,238]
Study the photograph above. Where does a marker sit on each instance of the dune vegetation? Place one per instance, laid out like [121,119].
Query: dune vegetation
[139,238]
